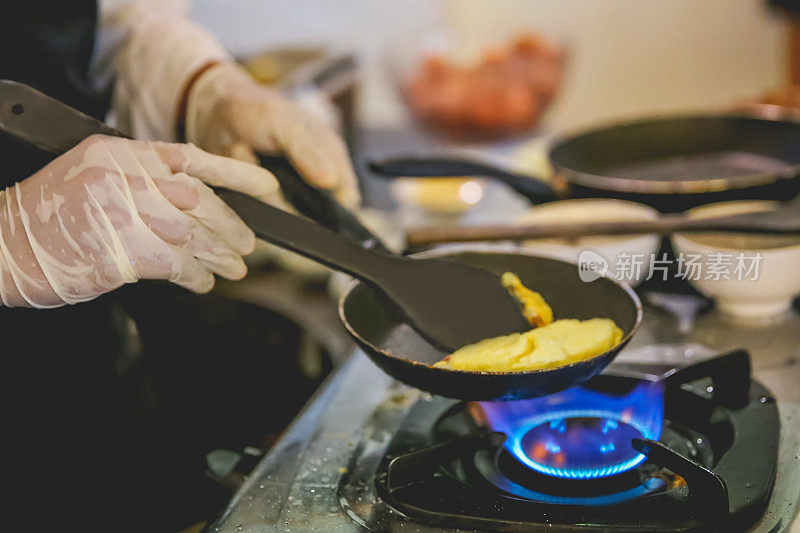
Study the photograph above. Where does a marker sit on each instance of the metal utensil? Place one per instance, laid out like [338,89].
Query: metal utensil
[783,220]
[450,304]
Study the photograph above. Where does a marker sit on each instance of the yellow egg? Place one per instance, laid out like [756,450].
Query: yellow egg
[557,344]
[534,308]
[551,345]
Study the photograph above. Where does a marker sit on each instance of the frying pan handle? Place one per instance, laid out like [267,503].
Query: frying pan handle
[535,189]
[319,205]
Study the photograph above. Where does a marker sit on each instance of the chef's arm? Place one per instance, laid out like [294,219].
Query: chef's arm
[174,81]
[151,51]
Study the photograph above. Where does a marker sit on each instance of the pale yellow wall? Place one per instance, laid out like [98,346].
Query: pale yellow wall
[628,56]
[631,56]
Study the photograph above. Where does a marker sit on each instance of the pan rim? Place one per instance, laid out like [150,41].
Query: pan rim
[685,186]
[494,249]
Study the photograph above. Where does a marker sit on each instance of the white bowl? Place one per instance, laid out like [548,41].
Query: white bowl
[764,293]
[613,249]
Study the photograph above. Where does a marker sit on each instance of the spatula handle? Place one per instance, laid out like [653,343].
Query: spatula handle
[308,238]
[319,204]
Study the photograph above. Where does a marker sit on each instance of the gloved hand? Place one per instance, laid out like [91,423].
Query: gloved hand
[113,211]
[229,113]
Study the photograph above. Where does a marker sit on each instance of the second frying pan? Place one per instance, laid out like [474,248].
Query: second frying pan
[670,163]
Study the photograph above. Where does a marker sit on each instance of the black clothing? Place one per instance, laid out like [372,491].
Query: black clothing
[100,433]
[103,435]
[792,6]
[48,44]
[60,394]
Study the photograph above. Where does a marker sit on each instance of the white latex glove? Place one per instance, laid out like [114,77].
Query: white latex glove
[229,113]
[113,211]
[151,51]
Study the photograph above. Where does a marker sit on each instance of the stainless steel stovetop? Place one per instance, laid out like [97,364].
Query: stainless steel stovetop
[295,486]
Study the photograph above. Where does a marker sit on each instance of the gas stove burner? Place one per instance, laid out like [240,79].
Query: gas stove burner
[580,445]
[506,473]
[580,433]
[638,447]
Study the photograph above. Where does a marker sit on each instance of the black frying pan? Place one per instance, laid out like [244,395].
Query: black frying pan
[670,163]
[386,337]
[394,346]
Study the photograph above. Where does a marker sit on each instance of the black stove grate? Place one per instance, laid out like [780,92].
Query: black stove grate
[712,469]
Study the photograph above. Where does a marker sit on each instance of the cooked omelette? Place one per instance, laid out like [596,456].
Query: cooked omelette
[550,345]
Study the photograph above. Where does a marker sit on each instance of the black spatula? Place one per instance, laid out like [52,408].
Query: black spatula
[451,304]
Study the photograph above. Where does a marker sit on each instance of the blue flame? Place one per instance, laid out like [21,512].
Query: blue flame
[579,433]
